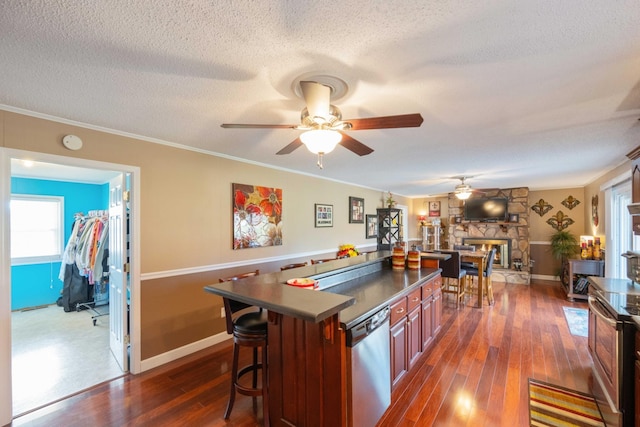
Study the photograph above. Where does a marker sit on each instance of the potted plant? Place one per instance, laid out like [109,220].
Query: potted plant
[563,245]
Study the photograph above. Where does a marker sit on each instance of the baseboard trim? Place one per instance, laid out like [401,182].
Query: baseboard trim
[170,356]
[545,277]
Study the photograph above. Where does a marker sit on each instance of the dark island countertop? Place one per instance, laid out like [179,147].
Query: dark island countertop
[353,287]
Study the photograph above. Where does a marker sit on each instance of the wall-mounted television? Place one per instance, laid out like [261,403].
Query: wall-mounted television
[486,209]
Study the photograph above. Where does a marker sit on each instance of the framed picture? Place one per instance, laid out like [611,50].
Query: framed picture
[257,216]
[356,210]
[514,217]
[324,215]
[372,226]
[434,209]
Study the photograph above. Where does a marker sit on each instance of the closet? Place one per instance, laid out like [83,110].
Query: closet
[84,270]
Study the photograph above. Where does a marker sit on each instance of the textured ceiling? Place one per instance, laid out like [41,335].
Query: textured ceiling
[544,94]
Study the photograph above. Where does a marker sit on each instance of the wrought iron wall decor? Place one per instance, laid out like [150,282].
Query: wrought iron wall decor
[541,207]
[560,221]
[570,202]
[594,210]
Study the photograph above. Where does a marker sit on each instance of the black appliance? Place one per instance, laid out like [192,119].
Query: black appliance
[486,209]
[611,339]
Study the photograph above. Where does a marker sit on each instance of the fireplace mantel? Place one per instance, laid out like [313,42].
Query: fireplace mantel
[516,232]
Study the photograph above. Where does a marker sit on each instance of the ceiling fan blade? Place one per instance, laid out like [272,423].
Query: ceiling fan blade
[354,145]
[291,146]
[387,122]
[255,126]
[317,97]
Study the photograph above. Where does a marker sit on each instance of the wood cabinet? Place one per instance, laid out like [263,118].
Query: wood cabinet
[389,228]
[416,319]
[635,185]
[414,328]
[398,336]
[577,269]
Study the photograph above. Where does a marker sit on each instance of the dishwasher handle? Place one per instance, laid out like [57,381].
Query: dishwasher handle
[360,331]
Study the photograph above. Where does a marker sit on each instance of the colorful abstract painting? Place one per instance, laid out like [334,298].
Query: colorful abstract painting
[257,216]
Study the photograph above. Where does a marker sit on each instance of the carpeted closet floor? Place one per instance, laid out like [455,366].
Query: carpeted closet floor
[56,354]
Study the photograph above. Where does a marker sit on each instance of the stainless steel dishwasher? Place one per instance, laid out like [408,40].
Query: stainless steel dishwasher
[369,365]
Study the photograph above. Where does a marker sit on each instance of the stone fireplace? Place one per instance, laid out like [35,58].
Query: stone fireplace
[516,233]
[503,249]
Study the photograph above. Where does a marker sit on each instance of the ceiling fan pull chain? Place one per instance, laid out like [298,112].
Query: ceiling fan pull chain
[320,160]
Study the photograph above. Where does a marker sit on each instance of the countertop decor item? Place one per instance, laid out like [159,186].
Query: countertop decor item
[346,251]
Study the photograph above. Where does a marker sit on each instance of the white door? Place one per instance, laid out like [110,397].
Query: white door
[118,313]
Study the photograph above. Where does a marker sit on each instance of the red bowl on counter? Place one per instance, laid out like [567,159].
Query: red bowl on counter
[303,283]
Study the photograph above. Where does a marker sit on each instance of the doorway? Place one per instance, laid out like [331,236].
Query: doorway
[98,331]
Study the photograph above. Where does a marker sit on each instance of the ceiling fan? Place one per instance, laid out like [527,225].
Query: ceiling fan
[323,125]
[463,191]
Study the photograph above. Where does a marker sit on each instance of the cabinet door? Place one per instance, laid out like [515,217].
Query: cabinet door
[427,319]
[436,311]
[398,335]
[414,337]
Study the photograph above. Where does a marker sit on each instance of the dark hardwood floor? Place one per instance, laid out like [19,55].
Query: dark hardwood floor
[475,374]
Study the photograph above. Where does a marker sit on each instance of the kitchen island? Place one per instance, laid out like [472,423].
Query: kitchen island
[309,369]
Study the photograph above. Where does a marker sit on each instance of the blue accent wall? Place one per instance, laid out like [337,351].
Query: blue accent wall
[38,284]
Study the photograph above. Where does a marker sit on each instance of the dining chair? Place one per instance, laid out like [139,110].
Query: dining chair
[249,329]
[469,248]
[295,265]
[454,276]
[486,275]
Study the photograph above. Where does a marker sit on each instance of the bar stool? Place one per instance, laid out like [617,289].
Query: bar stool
[249,329]
[469,248]
[290,266]
[451,271]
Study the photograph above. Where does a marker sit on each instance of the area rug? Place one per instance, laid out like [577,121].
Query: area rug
[578,320]
[552,405]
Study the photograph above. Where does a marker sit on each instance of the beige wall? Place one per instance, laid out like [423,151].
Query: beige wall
[186,220]
[545,264]
[420,206]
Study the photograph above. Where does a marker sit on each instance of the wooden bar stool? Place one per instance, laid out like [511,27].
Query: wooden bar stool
[249,329]
[451,272]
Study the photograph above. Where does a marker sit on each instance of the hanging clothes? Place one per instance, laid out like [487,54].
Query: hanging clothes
[84,261]
[86,247]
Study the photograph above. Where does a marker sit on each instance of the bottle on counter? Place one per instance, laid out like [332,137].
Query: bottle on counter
[583,251]
[597,253]
[590,249]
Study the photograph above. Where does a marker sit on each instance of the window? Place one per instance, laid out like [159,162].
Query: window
[620,238]
[37,229]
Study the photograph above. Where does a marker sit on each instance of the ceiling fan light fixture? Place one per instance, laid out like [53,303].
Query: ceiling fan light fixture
[463,191]
[463,195]
[321,141]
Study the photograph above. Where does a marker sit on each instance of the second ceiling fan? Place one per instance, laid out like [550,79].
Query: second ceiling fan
[323,125]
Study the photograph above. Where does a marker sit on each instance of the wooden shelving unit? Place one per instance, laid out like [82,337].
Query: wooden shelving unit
[389,228]
[574,270]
